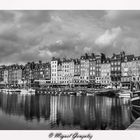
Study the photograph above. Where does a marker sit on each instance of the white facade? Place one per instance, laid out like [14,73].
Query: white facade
[71,72]
[5,77]
[105,74]
[59,74]
[67,72]
[54,65]
[98,80]
[131,69]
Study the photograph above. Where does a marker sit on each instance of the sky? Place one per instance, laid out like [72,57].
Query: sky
[27,36]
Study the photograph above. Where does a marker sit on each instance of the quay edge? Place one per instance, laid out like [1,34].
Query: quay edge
[135,125]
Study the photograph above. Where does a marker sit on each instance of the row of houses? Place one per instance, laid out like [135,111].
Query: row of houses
[89,69]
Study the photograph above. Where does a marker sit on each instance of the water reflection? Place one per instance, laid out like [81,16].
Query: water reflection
[65,112]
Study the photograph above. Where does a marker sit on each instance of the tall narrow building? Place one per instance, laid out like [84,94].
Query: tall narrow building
[116,60]
[92,70]
[126,70]
[84,77]
[54,68]
[77,72]
[105,73]
[98,70]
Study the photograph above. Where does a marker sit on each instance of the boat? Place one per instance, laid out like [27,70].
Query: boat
[71,93]
[136,93]
[135,100]
[106,92]
[10,91]
[32,91]
[90,94]
[124,94]
[135,104]
[27,92]
[79,93]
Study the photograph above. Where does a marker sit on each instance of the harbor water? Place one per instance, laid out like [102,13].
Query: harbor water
[45,112]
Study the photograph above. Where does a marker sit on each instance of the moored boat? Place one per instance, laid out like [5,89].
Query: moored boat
[135,104]
[124,94]
[27,91]
[90,94]
[11,91]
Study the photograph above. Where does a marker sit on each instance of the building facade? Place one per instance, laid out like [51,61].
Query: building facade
[42,73]
[116,60]
[126,70]
[5,79]
[98,70]
[59,73]
[84,77]
[54,70]
[15,75]
[67,72]
[92,70]
[2,68]
[28,76]
[106,73]
[77,71]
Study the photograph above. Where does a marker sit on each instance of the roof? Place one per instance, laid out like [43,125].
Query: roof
[76,61]
[106,61]
[117,56]
[129,57]
[136,58]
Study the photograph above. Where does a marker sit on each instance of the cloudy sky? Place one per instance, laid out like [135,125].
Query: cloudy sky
[39,35]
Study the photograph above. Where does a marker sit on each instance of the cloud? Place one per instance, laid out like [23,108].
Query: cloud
[112,14]
[87,49]
[108,37]
[34,18]
[6,16]
[39,35]
[131,45]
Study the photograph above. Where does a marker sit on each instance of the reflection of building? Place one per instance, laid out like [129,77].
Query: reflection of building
[126,117]
[53,109]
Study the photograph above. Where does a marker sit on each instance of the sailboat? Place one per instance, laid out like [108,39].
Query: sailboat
[135,100]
